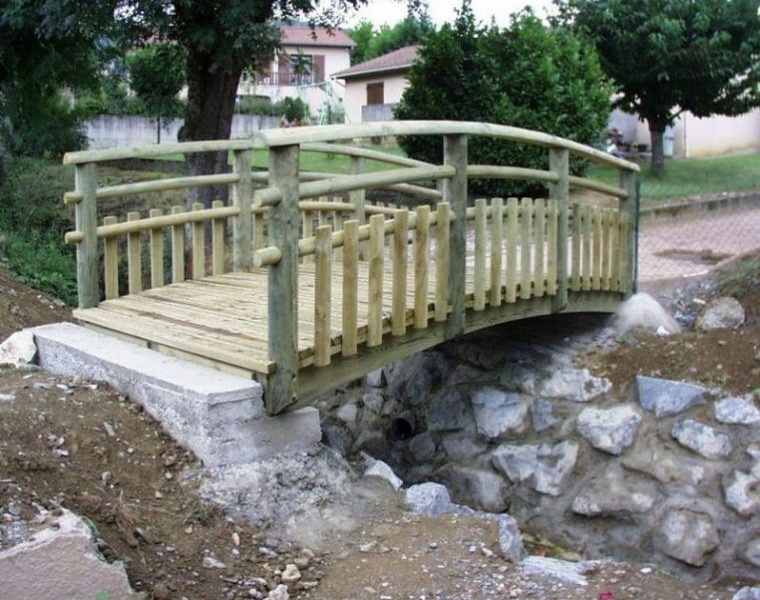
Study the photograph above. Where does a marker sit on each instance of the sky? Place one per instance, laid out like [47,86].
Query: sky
[441,11]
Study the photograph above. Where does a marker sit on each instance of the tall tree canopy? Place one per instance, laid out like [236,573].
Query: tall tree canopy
[527,75]
[669,56]
[414,29]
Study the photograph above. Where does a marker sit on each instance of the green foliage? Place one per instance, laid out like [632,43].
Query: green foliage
[526,75]
[32,225]
[255,105]
[294,110]
[667,56]
[413,30]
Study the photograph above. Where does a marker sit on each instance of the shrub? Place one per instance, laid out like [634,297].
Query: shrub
[526,75]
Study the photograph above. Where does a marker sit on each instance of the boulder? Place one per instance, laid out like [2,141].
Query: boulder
[461,448]
[742,491]
[428,499]
[576,385]
[610,430]
[544,468]
[664,397]
[702,439]
[542,412]
[612,495]
[510,539]
[747,593]
[380,469]
[736,411]
[498,412]
[479,488]
[449,411]
[721,313]
[643,311]
[688,536]
[413,379]
[19,349]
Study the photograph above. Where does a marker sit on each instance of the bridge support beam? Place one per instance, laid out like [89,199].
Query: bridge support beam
[629,206]
[86,217]
[455,193]
[559,162]
[282,385]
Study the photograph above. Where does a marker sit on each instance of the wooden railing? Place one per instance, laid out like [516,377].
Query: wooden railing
[518,249]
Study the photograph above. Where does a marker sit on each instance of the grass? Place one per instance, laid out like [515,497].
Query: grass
[694,176]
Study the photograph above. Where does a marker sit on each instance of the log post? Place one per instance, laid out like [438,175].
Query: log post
[559,162]
[242,224]
[455,193]
[630,206]
[86,218]
[358,199]
[283,280]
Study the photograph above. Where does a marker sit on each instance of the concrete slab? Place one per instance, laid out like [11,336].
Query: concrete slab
[218,416]
[61,561]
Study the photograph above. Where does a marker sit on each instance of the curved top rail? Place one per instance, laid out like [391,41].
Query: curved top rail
[153,150]
[325,133]
[359,152]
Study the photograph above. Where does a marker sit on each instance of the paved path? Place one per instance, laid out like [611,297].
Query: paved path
[688,246]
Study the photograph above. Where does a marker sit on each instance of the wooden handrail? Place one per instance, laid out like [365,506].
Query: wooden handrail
[346,150]
[496,172]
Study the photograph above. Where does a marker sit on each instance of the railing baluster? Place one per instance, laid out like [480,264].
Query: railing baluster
[199,246]
[479,290]
[421,261]
[156,253]
[375,287]
[596,281]
[626,277]
[322,296]
[575,285]
[400,260]
[586,255]
[552,237]
[442,263]
[111,261]
[350,287]
[217,242]
[178,249]
[513,211]
[497,248]
[615,251]
[538,261]
[606,250]
[86,220]
[134,257]
[526,239]
[559,162]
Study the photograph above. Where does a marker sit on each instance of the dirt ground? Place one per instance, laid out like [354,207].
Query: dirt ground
[73,444]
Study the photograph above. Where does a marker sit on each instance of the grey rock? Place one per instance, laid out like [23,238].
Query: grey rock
[510,539]
[498,412]
[337,437]
[376,378]
[428,499]
[747,593]
[688,536]
[542,412]
[576,385]
[702,439]
[721,313]
[7,397]
[413,379]
[563,570]
[461,448]
[736,411]
[370,441]
[517,378]
[374,402]
[665,466]
[464,374]
[611,430]
[210,562]
[751,552]
[449,411]
[664,397]
[19,349]
[611,494]
[479,488]
[742,491]
[544,467]
[422,448]
[279,593]
[383,471]
[348,413]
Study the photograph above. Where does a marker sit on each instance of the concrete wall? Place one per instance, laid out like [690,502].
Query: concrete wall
[378,112]
[356,93]
[698,138]
[107,131]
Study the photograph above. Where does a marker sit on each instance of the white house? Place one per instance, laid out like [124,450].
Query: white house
[304,67]
[374,87]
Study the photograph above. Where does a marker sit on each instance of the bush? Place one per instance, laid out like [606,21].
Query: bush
[255,105]
[526,75]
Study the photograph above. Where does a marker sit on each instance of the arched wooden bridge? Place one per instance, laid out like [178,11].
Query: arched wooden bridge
[305,285]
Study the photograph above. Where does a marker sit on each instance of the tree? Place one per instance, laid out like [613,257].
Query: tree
[670,56]
[413,30]
[526,75]
[157,74]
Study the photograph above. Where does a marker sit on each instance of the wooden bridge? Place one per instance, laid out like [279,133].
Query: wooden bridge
[304,284]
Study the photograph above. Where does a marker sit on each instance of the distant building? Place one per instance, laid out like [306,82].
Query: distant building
[375,87]
[304,67]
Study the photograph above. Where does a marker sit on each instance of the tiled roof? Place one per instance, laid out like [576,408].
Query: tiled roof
[303,35]
[400,59]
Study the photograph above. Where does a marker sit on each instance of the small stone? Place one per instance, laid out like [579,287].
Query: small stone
[736,411]
[428,499]
[7,397]
[279,593]
[742,491]
[209,562]
[747,593]
[19,349]
[41,385]
[542,412]
[576,385]
[373,402]
[721,313]
[510,539]
[109,429]
[383,471]
[302,562]
[348,413]
[702,439]
[664,397]
[376,378]
[688,536]
[160,592]
[291,574]
[236,538]
[611,430]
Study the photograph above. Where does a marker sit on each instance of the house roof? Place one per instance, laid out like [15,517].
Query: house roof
[304,35]
[398,60]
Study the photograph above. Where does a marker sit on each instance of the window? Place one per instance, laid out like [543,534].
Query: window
[375,93]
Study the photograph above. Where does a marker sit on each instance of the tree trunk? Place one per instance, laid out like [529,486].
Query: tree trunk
[210,104]
[158,129]
[657,133]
